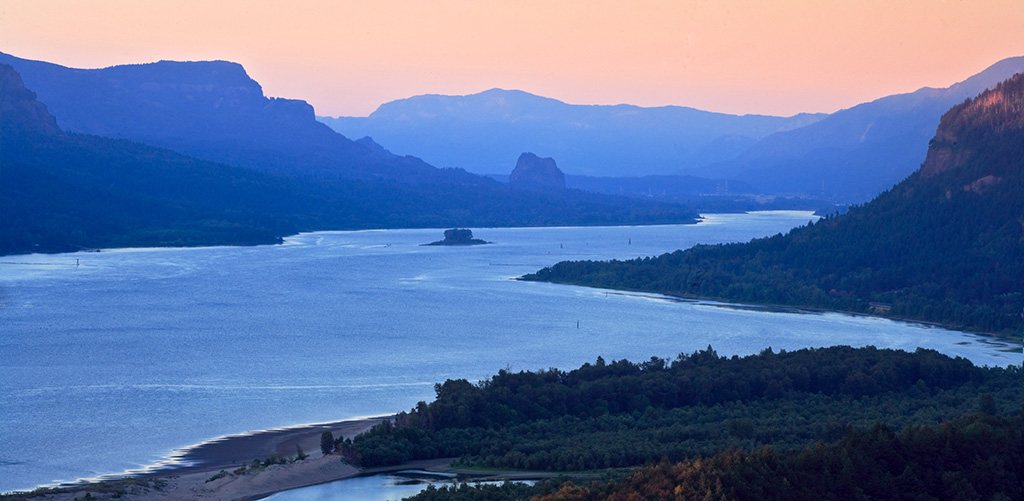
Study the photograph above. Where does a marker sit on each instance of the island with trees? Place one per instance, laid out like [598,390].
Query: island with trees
[459,236]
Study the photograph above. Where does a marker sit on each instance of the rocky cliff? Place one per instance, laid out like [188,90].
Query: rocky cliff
[20,112]
[945,245]
[996,110]
[535,173]
[212,110]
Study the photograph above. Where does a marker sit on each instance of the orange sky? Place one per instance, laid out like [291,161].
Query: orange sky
[737,56]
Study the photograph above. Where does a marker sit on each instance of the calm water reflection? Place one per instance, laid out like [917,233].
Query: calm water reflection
[135,353]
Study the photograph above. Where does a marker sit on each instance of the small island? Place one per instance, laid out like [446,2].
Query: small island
[458,236]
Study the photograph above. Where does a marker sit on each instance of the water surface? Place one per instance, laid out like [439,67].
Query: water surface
[113,364]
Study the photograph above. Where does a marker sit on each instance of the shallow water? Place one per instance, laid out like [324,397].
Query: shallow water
[113,364]
[386,487]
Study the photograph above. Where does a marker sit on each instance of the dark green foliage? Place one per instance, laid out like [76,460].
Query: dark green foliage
[274,459]
[946,245]
[507,491]
[326,442]
[975,457]
[623,414]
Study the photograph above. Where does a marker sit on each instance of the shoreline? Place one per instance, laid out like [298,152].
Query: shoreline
[189,474]
[1015,345]
[232,451]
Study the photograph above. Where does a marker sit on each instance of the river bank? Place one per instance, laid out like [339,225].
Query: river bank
[117,362]
[195,473]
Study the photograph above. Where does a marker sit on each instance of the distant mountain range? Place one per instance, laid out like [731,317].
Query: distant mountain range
[265,169]
[849,156]
[486,132]
[856,153]
[945,245]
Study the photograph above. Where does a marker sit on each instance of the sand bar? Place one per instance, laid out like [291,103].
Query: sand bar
[190,475]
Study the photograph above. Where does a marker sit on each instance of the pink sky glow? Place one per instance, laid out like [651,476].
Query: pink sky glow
[734,56]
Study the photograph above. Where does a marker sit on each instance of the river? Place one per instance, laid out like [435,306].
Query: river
[111,361]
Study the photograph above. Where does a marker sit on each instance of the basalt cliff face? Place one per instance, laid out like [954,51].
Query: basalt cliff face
[536,174]
[995,111]
[213,110]
[856,153]
[65,192]
[945,245]
[20,112]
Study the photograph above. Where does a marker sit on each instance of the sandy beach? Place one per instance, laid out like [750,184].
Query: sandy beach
[199,464]
[211,470]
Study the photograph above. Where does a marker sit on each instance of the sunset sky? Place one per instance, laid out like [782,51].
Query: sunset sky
[735,56]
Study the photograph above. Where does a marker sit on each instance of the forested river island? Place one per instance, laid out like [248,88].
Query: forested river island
[115,361]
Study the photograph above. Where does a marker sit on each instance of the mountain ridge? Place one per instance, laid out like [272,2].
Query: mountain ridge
[65,192]
[486,130]
[69,191]
[858,152]
[848,156]
[944,245]
[213,111]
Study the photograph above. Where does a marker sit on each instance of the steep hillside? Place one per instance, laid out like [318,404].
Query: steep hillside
[212,110]
[484,132]
[62,192]
[945,245]
[854,154]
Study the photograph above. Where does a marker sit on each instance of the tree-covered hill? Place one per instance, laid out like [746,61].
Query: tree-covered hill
[945,245]
[974,457]
[623,414]
[63,192]
[839,420]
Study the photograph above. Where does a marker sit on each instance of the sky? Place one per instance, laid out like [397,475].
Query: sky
[775,57]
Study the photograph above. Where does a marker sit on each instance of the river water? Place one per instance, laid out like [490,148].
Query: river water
[111,361]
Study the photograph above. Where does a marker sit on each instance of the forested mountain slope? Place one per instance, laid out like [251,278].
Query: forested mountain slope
[854,154]
[800,416]
[65,192]
[945,245]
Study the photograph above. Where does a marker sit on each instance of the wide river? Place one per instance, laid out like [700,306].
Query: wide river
[111,361]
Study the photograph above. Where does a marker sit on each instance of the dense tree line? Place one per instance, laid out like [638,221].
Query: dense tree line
[65,193]
[508,491]
[946,245]
[624,414]
[974,457]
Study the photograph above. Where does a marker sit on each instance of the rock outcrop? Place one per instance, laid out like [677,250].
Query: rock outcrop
[19,110]
[536,174]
